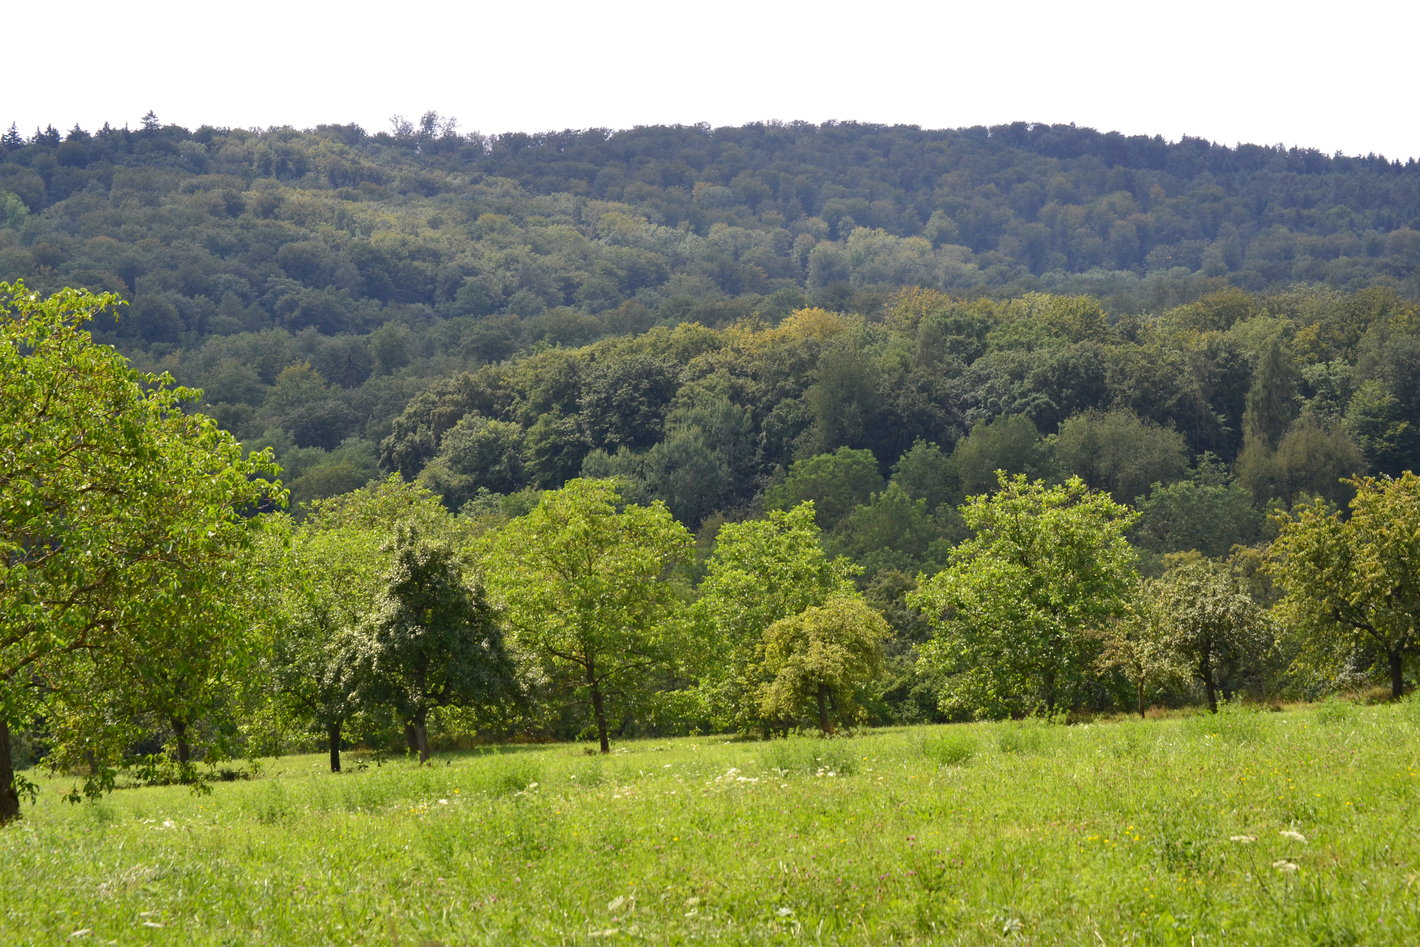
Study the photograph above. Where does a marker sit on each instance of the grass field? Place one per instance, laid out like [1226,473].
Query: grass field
[1249,827]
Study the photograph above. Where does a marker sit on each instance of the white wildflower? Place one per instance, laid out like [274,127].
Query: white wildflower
[1294,836]
[1244,839]
[1282,864]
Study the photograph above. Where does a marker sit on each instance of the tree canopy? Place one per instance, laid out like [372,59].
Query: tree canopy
[1013,611]
[588,585]
[121,514]
[1353,582]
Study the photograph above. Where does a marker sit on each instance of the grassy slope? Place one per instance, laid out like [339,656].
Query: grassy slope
[965,834]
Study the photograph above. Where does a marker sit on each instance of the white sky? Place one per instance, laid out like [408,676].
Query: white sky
[1335,78]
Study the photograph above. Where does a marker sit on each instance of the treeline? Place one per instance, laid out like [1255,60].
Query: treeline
[1278,396]
[1204,420]
[159,608]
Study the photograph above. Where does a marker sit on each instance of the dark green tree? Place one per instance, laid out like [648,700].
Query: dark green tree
[835,482]
[432,639]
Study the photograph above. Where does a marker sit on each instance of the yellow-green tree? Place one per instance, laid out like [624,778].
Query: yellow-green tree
[333,568]
[761,571]
[1209,621]
[1014,611]
[121,516]
[587,585]
[821,658]
[1351,584]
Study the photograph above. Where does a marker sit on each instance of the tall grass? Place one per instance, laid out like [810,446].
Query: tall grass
[1252,828]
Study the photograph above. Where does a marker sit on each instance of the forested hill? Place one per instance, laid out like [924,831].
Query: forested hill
[217,231]
[314,282]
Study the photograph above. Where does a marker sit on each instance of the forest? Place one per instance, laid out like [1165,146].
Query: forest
[447,437]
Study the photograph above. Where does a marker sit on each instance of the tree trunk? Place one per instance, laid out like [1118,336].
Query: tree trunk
[1205,671]
[184,752]
[332,733]
[421,734]
[1139,696]
[9,794]
[824,723]
[1397,674]
[598,706]
[599,714]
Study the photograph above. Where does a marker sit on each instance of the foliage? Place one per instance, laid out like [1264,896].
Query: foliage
[431,639]
[332,569]
[317,282]
[1013,611]
[1209,621]
[1012,444]
[820,658]
[1119,452]
[1349,583]
[121,517]
[835,483]
[1137,644]
[588,587]
[1209,512]
[760,572]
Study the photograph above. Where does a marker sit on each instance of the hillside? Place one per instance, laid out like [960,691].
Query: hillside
[314,282]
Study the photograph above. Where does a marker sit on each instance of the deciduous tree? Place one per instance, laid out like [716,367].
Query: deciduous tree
[587,585]
[119,511]
[1351,584]
[820,658]
[1047,564]
[760,571]
[432,639]
[1210,621]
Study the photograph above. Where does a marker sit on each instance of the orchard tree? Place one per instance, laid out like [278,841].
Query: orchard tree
[432,640]
[588,584]
[1351,585]
[326,583]
[821,658]
[333,567]
[760,571]
[121,515]
[1209,621]
[1015,607]
[1135,644]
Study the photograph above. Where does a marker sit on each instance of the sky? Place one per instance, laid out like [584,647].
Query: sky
[1336,78]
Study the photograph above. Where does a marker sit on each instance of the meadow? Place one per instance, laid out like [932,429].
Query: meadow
[1245,827]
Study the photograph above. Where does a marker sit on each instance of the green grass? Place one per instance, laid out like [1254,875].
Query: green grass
[1159,832]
